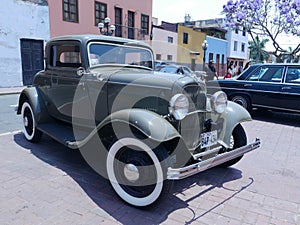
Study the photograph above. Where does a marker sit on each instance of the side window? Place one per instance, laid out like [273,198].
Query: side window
[293,75]
[256,74]
[65,56]
[267,74]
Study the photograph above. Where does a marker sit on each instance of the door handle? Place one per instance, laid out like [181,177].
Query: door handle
[286,88]
[247,85]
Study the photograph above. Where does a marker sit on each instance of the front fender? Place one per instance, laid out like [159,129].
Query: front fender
[235,114]
[149,123]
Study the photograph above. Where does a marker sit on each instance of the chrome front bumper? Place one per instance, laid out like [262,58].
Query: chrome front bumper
[180,173]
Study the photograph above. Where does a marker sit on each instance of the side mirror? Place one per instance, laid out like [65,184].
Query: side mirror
[80,71]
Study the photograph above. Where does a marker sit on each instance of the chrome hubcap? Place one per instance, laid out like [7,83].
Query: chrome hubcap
[131,172]
[25,121]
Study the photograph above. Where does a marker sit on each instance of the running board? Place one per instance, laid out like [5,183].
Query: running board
[180,173]
[63,133]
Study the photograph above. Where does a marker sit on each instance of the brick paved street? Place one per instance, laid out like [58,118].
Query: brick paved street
[47,183]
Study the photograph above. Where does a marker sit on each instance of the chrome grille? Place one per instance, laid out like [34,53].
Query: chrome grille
[191,126]
[197,97]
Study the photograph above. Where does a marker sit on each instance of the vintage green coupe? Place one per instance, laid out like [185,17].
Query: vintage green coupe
[139,128]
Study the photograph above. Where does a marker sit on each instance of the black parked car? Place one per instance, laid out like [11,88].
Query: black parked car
[138,128]
[267,86]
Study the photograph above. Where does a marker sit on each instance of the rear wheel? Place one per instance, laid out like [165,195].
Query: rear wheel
[137,172]
[243,101]
[29,124]
[238,139]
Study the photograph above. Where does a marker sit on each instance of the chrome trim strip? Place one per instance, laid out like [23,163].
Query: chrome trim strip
[276,108]
[180,173]
[262,91]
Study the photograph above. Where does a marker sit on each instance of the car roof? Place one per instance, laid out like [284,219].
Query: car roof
[85,38]
[275,64]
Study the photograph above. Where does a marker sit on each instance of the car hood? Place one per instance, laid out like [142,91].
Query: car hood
[150,78]
[147,78]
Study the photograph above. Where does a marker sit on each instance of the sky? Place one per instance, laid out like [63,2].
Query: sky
[174,10]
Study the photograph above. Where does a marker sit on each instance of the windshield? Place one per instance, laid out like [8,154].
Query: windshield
[103,53]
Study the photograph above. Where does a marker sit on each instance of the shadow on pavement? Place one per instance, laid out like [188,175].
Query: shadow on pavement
[101,193]
[289,119]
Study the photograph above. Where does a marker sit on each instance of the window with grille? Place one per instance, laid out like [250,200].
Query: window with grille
[185,38]
[70,10]
[235,45]
[243,47]
[130,22]
[118,22]
[170,39]
[145,24]
[100,12]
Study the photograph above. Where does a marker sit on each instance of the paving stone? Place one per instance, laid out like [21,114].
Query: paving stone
[48,184]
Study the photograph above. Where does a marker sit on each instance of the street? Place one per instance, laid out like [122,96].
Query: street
[47,183]
[9,120]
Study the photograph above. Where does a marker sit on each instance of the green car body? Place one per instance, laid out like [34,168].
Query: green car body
[105,88]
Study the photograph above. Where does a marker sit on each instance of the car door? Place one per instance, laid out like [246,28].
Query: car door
[290,98]
[67,88]
[264,85]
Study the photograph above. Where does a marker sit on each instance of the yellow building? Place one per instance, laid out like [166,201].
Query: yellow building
[190,50]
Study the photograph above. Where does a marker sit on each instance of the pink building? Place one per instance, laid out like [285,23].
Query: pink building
[132,18]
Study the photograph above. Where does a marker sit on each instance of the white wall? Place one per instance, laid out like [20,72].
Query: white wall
[19,19]
[161,46]
[231,36]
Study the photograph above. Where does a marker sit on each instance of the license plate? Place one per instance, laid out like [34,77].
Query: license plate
[209,139]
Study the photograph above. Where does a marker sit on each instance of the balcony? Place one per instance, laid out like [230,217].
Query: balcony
[130,32]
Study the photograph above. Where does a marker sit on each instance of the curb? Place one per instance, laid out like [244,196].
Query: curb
[11,90]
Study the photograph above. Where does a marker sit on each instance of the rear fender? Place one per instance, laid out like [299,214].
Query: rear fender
[33,96]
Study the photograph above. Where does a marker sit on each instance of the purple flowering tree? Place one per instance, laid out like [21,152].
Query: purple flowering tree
[266,18]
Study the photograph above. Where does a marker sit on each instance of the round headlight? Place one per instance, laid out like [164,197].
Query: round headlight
[219,101]
[179,106]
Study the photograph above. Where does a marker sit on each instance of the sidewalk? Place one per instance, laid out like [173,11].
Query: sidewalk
[11,90]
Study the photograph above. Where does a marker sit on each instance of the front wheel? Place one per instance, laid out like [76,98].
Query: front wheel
[242,100]
[29,124]
[237,139]
[136,171]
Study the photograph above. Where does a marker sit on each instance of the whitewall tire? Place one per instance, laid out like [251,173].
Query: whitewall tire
[29,124]
[135,171]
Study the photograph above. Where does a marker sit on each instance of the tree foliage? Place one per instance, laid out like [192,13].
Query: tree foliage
[258,54]
[266,18]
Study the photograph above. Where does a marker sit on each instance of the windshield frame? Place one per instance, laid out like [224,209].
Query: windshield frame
[121,46]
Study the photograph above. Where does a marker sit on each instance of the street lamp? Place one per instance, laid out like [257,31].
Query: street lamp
[204,47]
[105,28]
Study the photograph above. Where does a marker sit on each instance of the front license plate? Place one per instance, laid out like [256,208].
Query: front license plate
[209,139]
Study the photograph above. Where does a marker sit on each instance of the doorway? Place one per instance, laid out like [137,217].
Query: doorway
[32,57]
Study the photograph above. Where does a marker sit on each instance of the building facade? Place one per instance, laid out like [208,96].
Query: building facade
[132,19]
[237,47]
[22,40]
[164,43]
[190,52]
[24,32]
[217,52]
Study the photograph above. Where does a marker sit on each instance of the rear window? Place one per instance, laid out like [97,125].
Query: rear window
[65,56]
